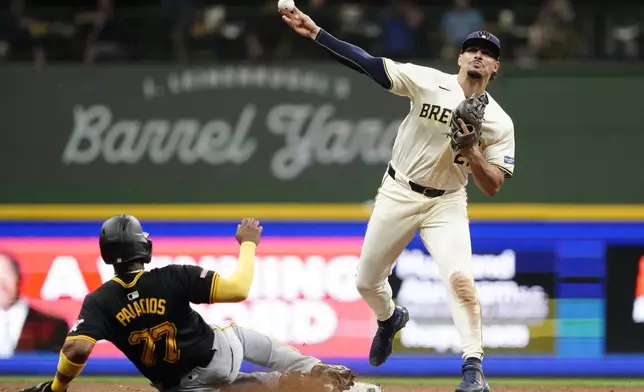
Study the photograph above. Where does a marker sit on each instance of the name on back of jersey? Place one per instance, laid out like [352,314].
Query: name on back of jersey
[140,307]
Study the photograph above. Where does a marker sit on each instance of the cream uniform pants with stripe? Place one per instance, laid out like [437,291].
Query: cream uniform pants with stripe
[443,224]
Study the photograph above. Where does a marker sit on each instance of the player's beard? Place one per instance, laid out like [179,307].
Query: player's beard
[474,74]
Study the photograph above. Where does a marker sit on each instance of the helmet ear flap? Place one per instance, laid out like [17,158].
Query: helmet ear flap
[149,251]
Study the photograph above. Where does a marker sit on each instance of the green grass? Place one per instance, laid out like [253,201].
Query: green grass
[601,382]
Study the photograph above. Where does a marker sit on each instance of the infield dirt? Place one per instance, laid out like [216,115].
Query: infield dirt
[140,387]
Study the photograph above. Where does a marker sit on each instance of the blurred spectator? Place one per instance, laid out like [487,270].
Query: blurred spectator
[219,32]
[552,33]
[14,37]
[181,14]
[22,328]
[456,24]
[405,31]
[299,48]
[512,29]
[101,32]
[201,31]
[625,36]
[266,33]
[359,25]
[19,34]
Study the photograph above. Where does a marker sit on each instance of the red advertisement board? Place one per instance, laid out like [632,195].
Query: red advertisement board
[303,294]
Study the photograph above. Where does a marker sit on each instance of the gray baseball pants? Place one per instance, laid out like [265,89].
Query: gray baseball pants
[234,344]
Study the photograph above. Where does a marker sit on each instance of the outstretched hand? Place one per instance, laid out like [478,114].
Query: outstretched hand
[248,230]
[300,22]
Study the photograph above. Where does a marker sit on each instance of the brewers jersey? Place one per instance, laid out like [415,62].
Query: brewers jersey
[147,315]
[422,150]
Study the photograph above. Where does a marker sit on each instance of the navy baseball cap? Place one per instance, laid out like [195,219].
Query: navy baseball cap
[482,38]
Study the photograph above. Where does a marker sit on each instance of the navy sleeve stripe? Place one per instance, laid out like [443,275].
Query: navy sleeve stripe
[355,58]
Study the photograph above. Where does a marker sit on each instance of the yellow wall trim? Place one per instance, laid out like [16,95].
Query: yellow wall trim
[633,212]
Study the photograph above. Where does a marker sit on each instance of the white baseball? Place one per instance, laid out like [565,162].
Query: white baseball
[286,5]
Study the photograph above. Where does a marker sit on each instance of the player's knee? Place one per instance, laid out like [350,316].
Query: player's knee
[364,289]
[462,285]
[365,286]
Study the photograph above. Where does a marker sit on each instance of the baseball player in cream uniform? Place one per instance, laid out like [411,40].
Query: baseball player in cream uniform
[423,188]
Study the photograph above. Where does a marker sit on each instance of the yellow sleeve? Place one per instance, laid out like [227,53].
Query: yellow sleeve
[237,287]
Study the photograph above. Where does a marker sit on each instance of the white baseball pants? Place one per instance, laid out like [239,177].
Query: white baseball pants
[444,229]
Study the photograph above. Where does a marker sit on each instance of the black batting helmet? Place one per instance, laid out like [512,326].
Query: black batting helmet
[123,240]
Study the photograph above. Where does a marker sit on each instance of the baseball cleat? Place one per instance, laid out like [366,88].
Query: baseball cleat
[383,343]
[473,378]
[41,387]
[338,378]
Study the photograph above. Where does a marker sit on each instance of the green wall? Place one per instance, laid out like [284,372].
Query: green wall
[579,130]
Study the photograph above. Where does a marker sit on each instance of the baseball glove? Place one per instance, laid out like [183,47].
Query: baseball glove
[471,111]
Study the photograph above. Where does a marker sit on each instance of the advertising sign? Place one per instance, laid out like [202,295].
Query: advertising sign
[517,304]
[624,299]
[287,131]
[279,133]
[304,292]
[564,296]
